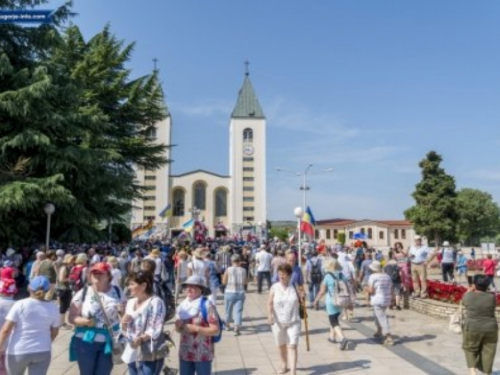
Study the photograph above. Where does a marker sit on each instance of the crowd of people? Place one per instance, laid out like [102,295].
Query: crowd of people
[117,299]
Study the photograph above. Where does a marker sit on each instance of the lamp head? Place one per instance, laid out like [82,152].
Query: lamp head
[49,208]
[298,212]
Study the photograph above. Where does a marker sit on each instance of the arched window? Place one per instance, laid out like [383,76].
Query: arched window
[178,199]
[221,202]
[248,135]
[200,195]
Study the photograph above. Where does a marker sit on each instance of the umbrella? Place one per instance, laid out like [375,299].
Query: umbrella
[360,236]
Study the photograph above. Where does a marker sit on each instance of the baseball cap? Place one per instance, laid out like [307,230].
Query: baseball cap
[39,283]
[101,267]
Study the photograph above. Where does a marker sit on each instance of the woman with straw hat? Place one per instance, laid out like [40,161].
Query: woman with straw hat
[196,348]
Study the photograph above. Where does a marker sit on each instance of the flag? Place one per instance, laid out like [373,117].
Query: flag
[307,224]
[166,212]
[188,225]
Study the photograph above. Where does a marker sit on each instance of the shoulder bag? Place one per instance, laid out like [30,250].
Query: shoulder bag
[153,350]
[456,324]
[302,309]
[118,346]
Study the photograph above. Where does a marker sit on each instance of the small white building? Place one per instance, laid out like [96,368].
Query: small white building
[381,234]
[225,204]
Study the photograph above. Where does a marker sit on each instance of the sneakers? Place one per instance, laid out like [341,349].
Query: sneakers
[388,341]
[343,344]
[377,335]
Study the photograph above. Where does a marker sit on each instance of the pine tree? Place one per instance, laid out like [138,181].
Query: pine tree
[434,214]
[72,127]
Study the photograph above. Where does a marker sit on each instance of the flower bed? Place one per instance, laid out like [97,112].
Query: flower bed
[477,264]
[448,293]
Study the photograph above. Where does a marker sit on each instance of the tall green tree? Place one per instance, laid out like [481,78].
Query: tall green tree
[434,214]
[478,216]
[73,126]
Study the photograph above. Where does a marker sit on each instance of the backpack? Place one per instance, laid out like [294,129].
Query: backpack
[342,295]
[76,278]
[316,276]
[204,314]
[393,271]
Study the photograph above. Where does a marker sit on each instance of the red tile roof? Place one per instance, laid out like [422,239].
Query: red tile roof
[345,222]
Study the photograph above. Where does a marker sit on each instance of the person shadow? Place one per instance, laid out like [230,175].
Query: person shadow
[326,369]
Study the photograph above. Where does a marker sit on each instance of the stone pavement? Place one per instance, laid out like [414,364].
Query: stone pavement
[423,346]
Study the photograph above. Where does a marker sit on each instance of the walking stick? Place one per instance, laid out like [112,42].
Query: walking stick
[306,326]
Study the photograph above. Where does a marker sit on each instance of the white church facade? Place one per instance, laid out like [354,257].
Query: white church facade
[225,204]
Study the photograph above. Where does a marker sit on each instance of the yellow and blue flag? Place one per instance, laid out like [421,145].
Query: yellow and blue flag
[166,212]
[188,225]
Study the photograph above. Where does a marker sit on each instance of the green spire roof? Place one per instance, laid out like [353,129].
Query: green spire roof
[247,105]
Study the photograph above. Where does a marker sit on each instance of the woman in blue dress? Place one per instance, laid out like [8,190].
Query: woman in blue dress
[328,286]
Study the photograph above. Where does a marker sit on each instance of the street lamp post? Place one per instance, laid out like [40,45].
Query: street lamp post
[298,214]
[49,210]
[304,186]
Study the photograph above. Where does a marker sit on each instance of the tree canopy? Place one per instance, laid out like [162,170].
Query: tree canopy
[478,216]
[73,126]
[434,214]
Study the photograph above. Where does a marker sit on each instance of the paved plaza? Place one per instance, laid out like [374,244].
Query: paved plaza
[423,345]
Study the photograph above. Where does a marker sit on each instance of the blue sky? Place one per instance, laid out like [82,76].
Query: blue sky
[365,87]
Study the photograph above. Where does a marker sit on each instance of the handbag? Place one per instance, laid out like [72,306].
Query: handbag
[153,350]
[118,346]
[457,320]
[302,308]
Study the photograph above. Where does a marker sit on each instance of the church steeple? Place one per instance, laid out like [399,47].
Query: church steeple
[247,105]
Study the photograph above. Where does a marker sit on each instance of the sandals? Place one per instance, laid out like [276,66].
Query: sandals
[282,370]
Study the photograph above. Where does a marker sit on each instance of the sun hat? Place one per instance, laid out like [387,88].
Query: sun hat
[446,243]
[101,267]
[39,283]
[196,280]
[418,238]
[375,266]
[81,258]
[60,252]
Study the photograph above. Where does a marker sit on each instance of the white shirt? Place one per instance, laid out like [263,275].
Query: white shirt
[198,267]
[264,260]
[382,285]
[117,277]
[95,259]
[447,253]
[91,308]
[420,254]
[5,306]
[33,320]
[285,304]
[183,269]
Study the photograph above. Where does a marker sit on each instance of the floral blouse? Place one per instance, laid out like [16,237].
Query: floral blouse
[147,319]
[193,346]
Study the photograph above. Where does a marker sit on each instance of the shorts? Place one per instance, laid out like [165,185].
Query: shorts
[286,334]
[397,288]
[334,320]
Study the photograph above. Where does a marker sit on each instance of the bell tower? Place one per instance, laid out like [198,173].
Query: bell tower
[247,158]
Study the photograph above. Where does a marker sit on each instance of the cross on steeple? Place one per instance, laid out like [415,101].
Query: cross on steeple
[155,60]
[247,63]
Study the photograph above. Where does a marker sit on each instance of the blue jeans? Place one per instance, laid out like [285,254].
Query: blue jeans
[192,368]
[146,367]
[91,358]
[233,303]
[313,291]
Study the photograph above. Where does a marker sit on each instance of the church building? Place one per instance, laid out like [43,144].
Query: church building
[225,204]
